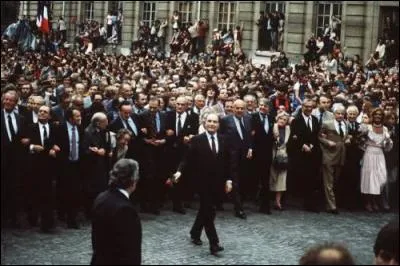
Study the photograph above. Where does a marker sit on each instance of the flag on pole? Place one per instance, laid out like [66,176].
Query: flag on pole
[42,20]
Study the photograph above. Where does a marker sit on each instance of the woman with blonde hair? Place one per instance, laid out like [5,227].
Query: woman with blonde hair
[373,171]
[281,133]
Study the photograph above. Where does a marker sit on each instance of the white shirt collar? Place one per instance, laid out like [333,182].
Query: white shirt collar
[209,136]
[123,191]
[306,117]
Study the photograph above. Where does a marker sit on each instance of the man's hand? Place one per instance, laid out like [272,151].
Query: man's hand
[228,186]
[249,154]
[186,139]
[176,176]
[52,153]
[56,148]
[306,148]
[170,132]
[144,130]
[37,148]
[101,152]
[332,144]
[25,141]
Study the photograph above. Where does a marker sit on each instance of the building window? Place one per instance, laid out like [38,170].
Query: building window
[185,10]
[88,9]
[329,15]
[226,15]
[113,6]
[149,13]
[274,6]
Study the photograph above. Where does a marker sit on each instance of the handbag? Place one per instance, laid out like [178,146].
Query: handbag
[281,161]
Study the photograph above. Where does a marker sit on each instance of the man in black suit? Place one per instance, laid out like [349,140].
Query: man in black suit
[210,161]
[237,128]
[96,148]
[58,111]
[262,129]
[181,127]
[42,136]
[69,140]
[116,227]
[127,119]
[153,124]
[11,128]
[307,155]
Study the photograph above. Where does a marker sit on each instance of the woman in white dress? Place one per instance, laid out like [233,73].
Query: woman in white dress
[281,132]
[373,172]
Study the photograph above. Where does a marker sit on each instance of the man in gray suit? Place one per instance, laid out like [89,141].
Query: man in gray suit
[333,136]
[322,113]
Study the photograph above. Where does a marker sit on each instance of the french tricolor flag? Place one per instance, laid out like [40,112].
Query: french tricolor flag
[42,20]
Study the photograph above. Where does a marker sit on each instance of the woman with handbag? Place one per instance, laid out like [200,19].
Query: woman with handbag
[279,165]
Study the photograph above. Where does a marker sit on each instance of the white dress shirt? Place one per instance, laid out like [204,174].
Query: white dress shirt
[42,131]
[183,119]
[343,126]
[237,122]
[13,121]
[306,118]
[35,117]
[215,141]
[70,128]
[123,191]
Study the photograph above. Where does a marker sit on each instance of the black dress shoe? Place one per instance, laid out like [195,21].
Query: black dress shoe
[179,210]
[214,249]
[197,241]
[335,211]
[240,214]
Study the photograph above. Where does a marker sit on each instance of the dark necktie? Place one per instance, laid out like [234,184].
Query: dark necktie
[242,128]
[10,125]
[340,129]
[309,124]
[45,136]
[154,130]
[321,115]
[73,145]
[213,147]
[179,125]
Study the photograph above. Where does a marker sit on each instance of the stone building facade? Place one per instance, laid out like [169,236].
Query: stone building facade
[361,24]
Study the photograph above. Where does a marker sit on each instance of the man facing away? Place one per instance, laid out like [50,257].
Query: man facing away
[116,227]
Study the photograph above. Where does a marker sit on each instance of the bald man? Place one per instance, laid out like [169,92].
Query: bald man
[237,129]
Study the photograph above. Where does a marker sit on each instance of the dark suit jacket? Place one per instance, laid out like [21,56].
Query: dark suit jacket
[300,135]
[262,140]
[62,140]
[190,127]
[208,169]
[10,150]
[136,144]
[228,128]
[146,122]
[42,162]
[116,230]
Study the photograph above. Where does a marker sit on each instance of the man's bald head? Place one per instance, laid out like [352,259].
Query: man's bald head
[239,107]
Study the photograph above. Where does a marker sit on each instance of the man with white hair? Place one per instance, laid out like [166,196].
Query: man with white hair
[116,227]
[333,136]
[96,147]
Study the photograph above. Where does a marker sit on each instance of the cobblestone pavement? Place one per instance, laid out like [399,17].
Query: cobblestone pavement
[277,239]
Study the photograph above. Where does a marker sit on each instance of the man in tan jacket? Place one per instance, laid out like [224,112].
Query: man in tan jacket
[333,137]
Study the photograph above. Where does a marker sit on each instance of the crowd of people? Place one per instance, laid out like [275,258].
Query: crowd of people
[325,128]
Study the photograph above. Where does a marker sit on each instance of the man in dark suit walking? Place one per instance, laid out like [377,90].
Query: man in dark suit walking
[69,140]
[116,227]
[11,128]
[262,129]
[237,129]
[181,127]
[210,160]
[307,155]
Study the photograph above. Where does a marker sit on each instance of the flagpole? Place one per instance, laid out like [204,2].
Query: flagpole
[63,9]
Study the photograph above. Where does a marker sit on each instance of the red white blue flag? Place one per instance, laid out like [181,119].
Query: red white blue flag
[42,20]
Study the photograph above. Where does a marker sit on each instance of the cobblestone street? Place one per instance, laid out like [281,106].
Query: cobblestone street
[277,239]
